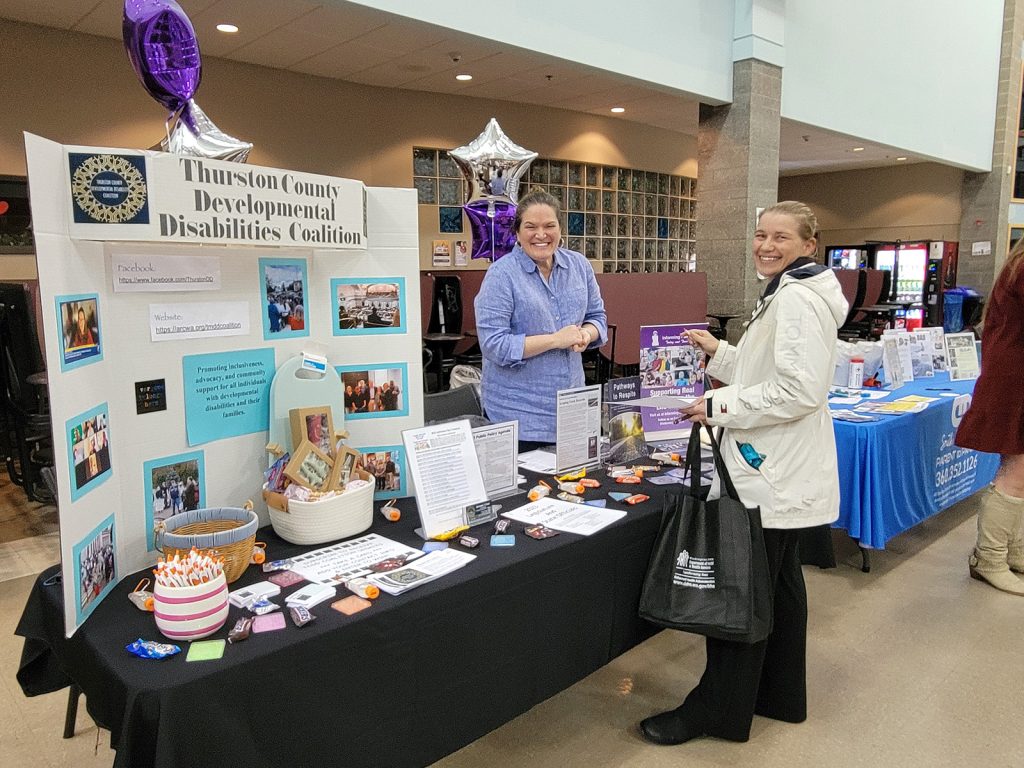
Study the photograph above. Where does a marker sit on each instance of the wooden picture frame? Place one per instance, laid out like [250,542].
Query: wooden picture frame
[344,468]
[310,467]
[314,424]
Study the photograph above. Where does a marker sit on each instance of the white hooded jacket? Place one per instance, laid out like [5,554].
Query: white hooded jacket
[776,399]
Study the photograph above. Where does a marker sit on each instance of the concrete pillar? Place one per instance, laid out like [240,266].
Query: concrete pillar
[985,197]
[738,172]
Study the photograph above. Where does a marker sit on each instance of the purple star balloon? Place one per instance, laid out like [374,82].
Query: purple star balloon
[163,50]
[492,226]
[493,164]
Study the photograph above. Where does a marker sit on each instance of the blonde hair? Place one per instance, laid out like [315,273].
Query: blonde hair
[806,221]
[1013,261]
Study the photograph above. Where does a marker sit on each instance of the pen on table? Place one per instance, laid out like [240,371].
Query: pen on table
[937,389]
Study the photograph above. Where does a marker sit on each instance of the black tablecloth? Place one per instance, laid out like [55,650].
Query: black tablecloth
[403,683]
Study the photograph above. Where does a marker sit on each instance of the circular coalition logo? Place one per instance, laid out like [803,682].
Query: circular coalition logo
[109,189]
[960,406]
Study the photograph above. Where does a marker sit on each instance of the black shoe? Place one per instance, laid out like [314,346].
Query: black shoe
[669,728]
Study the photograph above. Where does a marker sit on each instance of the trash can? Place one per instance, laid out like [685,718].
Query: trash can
[952,310]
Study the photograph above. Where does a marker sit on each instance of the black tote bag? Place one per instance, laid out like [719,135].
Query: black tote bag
[708,573]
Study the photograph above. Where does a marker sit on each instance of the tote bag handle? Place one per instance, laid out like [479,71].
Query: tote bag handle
[693,463]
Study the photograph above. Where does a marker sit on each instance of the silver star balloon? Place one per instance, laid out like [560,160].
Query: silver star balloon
[493,165]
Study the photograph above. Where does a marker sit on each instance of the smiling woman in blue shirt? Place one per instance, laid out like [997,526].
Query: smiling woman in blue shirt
[538,309]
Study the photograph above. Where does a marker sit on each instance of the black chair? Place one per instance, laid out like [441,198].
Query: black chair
[26,439]
[452,404]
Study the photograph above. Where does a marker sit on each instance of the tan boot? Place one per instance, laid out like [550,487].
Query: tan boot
[1015,549]
[999,523]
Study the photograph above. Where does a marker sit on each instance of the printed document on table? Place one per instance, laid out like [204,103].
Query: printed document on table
[565,516]
[577,428]
[429,567]
[445,473]
[347,559]
[538,460]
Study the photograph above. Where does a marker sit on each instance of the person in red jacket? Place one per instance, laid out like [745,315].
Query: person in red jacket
[995,424]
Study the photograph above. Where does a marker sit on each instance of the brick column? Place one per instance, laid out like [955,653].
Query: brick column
[985,197]
[738,172]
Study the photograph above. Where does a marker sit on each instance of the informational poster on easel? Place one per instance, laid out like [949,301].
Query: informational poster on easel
[446,474]
[161,349]
[962,357]
[578,428]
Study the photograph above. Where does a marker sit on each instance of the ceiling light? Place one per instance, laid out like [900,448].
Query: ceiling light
[617,110]
[463,77]
[229,28]
[858,149]
[900,159]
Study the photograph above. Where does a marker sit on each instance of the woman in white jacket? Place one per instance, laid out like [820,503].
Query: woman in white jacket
[780,450]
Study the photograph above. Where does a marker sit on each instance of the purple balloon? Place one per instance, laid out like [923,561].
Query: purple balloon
[163,50]
[492,224]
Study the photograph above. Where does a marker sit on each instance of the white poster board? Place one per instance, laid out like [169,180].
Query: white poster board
[118,398]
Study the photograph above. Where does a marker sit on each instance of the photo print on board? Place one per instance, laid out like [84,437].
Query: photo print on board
[375,391]
[172,484]
[78,317]
[364,306]
[284,287]
[88,440]
[386,465]
[95,565]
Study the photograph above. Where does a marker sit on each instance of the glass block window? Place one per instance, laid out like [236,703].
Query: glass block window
[624,219]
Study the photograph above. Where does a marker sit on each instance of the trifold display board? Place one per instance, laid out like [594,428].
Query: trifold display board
[172,289]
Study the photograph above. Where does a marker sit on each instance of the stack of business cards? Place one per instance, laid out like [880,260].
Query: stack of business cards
[310,595]
[246,596]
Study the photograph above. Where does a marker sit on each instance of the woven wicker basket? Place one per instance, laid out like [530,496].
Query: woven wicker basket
[227,532]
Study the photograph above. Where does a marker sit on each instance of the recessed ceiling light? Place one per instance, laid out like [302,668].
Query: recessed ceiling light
[900,159]
[858,149]
[463,77]
[617,110]
[229,28]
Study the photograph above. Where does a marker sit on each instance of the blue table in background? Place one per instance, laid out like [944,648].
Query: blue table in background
[902,469]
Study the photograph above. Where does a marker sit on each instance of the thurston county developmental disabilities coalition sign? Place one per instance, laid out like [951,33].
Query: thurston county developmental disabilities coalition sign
[150,196]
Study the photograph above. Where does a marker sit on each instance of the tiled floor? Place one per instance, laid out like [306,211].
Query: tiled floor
[913,665]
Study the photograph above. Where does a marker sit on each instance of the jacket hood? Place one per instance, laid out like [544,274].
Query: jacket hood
[823,282]
[816,277]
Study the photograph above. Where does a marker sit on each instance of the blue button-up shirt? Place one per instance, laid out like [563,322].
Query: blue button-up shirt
[515,302]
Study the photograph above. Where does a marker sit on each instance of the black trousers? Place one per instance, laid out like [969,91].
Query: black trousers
[768,678]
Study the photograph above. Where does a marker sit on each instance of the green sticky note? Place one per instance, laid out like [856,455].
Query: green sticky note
[205,650]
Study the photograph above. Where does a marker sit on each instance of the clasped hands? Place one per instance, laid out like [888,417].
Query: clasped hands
[573,337]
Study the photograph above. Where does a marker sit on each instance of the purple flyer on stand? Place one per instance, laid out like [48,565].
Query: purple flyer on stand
[669,365]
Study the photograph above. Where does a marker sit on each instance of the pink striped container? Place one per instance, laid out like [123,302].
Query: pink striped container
[191,613]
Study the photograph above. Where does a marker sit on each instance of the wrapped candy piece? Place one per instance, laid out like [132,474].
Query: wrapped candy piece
[149,649]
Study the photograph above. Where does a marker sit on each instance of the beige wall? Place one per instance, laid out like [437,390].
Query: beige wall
[914,202]
[80,89]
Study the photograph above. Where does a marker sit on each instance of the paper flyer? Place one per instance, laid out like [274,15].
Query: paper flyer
[669,365]
[442,250]
[962,356]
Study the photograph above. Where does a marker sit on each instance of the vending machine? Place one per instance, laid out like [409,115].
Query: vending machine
[942,263]
[847,256]
[920,272]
